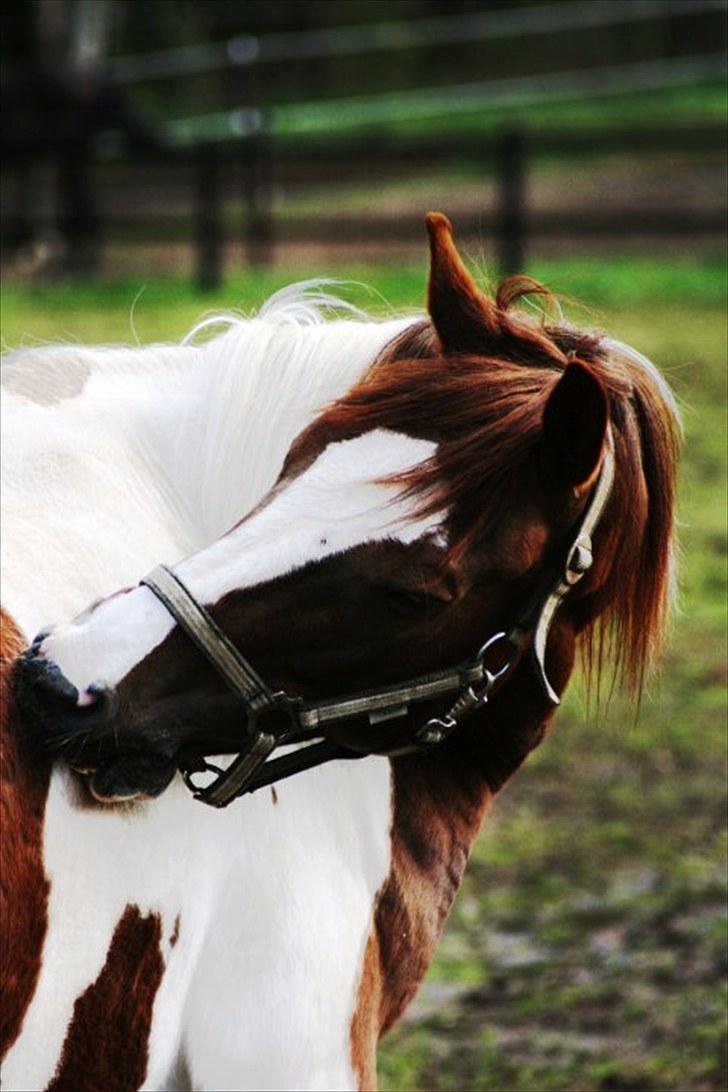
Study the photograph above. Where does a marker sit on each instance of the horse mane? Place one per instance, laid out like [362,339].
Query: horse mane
[486,413]
[188,416]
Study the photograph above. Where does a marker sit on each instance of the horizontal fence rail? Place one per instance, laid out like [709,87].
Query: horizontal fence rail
[211,194]
[342,116]
[511,22]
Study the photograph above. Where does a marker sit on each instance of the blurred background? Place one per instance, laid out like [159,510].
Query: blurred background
[161,157]
[173,135]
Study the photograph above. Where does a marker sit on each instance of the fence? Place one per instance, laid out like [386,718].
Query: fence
[226,191]
[507,154]
[218,175]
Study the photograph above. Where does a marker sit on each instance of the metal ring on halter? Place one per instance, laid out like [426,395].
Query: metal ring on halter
[491,677]
[439,728]
[189,768]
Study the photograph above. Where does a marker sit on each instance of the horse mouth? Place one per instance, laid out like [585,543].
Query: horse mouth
[83,728]
[134,777]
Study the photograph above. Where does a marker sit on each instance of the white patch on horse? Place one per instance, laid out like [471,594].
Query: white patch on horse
[260,988]
[293,947]
[339,502]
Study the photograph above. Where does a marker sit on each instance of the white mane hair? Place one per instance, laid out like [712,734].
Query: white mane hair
[213,416]
[304,348]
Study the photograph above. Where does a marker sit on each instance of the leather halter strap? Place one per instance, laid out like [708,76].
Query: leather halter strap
[579,560]
[472,681]
[238,673]
[201,627]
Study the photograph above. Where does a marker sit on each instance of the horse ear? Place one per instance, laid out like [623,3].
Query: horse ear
[464,318]
[574,427]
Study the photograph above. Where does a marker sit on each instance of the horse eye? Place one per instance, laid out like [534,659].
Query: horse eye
[410,599]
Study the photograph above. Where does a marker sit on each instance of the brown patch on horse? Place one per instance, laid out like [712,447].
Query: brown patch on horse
[24,886]
[365,1025]
[439,804]
[107,1043]
[175,933]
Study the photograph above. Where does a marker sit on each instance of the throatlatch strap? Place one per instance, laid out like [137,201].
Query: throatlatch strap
[201,627]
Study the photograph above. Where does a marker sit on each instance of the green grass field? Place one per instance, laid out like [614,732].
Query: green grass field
[587,948]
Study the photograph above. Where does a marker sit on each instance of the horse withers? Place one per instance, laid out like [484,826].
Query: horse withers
[440,510]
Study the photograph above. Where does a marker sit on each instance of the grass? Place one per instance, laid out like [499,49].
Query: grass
[587,948]
[152,309]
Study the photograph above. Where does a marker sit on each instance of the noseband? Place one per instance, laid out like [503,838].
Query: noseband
[275,719]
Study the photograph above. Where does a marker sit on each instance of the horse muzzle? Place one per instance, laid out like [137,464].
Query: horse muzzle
[55,707]
[83,728]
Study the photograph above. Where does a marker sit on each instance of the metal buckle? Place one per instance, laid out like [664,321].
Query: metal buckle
[261,739]
[472,697]
[197,766]
[231,782]
[435,730]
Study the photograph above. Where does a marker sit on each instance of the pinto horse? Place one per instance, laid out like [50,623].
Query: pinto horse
[412,487]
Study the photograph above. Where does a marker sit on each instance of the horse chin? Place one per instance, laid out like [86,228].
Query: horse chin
[132,778]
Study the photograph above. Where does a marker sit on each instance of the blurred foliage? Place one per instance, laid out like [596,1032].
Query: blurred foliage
[700,104]
[587,948]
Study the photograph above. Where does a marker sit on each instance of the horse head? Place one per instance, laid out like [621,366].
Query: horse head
[425,510]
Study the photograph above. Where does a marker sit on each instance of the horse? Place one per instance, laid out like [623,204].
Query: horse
[381,545]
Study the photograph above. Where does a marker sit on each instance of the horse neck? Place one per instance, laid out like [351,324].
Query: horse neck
[439,803]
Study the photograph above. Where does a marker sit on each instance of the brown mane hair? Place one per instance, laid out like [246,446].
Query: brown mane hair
[485,411]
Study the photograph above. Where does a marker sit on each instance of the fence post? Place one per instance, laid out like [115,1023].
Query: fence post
[209,229]
[257,192]
[77,218]
[512,200]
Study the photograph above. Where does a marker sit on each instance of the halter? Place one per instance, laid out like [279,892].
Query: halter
[275,719]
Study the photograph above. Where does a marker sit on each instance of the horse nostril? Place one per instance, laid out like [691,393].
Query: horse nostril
[52,685]
[44,682]
[56,715]
[103,699]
